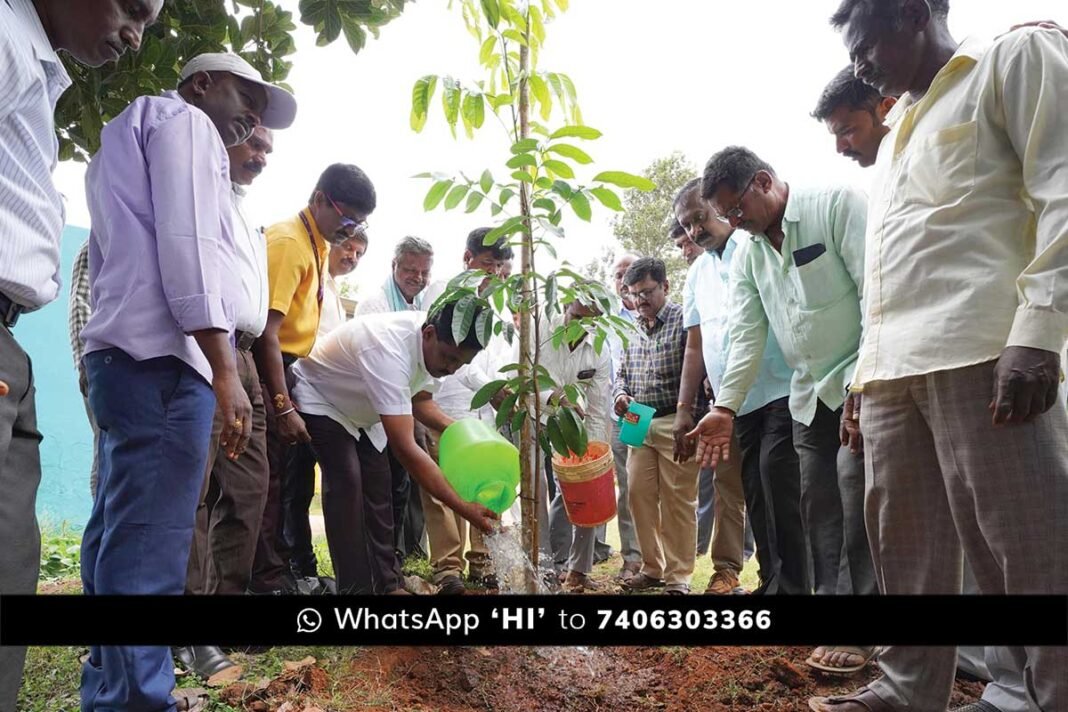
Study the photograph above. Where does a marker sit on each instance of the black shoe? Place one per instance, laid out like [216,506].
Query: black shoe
[485,581]
[209,663]
[451,586]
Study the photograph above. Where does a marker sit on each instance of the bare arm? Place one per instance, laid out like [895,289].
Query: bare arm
[693,372]
[267,353]
[427,412]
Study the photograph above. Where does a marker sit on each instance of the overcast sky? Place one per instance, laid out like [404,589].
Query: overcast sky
[654,77]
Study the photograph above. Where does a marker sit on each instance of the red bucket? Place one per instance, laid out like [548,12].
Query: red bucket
[588,487]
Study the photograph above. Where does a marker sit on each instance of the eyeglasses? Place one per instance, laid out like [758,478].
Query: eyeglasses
[646,294]
[736,212]
[350,227]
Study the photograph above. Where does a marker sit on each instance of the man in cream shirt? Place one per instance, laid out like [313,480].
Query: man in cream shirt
[966,317]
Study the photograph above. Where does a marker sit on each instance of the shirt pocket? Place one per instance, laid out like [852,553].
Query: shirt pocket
[821,282]
[941,168]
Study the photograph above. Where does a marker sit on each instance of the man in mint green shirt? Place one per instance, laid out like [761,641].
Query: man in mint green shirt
[799,274]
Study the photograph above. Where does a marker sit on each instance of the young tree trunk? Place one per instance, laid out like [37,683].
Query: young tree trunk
[530,490]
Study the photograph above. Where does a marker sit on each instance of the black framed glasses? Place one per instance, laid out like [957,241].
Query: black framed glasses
[350,227]
[736,212]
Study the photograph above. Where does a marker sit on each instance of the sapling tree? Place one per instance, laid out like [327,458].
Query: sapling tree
[536,185]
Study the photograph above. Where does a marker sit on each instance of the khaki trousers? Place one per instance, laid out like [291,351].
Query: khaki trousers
[663,501]
[940,478]
[728,523]
[447,531]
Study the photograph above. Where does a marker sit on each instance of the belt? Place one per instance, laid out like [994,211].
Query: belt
[243,340]
[9,311]
[666,410]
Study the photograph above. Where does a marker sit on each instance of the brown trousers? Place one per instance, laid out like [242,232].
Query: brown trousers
[231,502]
[447,531]
[941,480]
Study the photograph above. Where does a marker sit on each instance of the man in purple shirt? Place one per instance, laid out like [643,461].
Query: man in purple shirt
[159,343]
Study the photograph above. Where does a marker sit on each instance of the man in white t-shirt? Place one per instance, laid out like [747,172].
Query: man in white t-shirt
[364,385]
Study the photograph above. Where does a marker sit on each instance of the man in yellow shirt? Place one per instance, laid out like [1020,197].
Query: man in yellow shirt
[297,254]
[966,313]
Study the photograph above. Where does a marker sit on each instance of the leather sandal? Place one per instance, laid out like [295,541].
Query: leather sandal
[866,653]
[864,697]
[209,663]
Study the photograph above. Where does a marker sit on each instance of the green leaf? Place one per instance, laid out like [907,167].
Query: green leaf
[486,182]
[456,195]
[540,91]
[562,4]
[435,194]
[537,25]
[572,393]
[463,316]
[522,159]
[517,420]
[556,437]
[598,341]
[484,326]
[506,195]
[583,132]
[543,442]
[421,95]
[575,153]
[523,177]
[515,36]
[450,101]
[485,394]
[506,409]
[474,109]
[608,198]
[574,434]
[559,168]
[474,199]
[581,205]
[625,180]
[525,145]
[492,10]
[545,204]
[550,294]
[563,189]
[487,49]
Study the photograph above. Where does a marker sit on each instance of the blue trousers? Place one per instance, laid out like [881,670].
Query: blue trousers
[155,421]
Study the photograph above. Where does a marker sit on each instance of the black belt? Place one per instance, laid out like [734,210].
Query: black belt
[9,311]
[243,340]
[666,410]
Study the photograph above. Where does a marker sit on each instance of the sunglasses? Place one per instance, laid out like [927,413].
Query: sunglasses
[349,227]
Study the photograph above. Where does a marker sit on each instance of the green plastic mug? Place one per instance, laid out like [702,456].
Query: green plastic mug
[634,424]
[480,464]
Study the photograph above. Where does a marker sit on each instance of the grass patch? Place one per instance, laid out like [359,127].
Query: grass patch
[61,550]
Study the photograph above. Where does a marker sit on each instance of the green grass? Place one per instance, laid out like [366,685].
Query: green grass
[60,552]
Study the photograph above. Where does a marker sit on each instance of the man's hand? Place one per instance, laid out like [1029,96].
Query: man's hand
[485,520]
[849,432]
[291,429]
[1025,384]
[684,444]
[713,435]
[236,413]
[622,403]
[83,383]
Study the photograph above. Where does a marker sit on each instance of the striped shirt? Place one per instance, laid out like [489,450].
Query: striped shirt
[651,370]
[31,209]
[78,307]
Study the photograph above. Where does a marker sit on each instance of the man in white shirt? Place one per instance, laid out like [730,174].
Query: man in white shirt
[298,485]
[231,502]
[578,363]
[966,316]
[32,78]
[413,258]
[445,530]
[363,386]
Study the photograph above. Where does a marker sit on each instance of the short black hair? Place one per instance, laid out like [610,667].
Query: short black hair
[442,323]
[346,183]
[676,229]
[686,189]
[733,167]
[846,90]
[643,267]
[476,244]
[881,9]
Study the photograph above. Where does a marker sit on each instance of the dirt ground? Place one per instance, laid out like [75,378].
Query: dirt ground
[552,679]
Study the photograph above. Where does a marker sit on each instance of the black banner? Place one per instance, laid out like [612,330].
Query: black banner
[533,620]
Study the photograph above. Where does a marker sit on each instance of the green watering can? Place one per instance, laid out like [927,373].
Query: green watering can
[480,464]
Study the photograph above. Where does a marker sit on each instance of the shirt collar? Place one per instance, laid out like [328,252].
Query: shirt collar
[968,54]
[239,190]
[324,248]
[42,46]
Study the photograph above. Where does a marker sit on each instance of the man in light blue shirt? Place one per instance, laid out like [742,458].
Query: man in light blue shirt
[768,468]
[800,276]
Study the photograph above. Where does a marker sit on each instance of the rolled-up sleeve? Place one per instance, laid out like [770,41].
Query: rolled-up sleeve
[1035,109]
[187,207]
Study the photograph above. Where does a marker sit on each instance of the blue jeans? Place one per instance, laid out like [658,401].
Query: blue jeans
[155,421]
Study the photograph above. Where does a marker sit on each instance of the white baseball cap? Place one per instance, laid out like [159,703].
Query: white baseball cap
[281,106]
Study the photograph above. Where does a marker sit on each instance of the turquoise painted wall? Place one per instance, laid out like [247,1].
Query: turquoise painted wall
[66,451]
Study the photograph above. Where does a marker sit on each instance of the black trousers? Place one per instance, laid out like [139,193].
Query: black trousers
[357,508]
[771,481]
[298,490]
